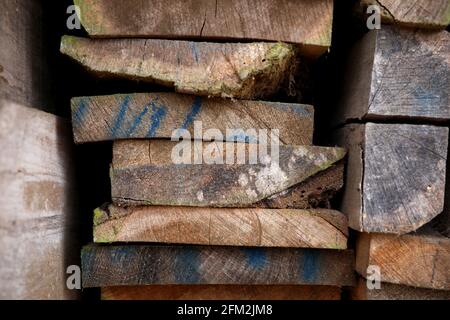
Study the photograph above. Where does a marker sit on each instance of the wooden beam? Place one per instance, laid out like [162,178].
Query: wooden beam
[389,291]
[419,260]
[394,73]
[158,115]
[434,14]
[36,204]
[397,180]
[105,266]
[143,173]
[304,22]
[321,228]
[221,292]
[24,76]
[240,70]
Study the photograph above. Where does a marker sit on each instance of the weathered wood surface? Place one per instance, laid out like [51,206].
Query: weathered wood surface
[240,70]
[432,14]
[105,266]
[397,73]
[321,228]
[36,208]
[397,180]
[221,292]
[158,115]
[307,23]
[144,173]
[419,260]
[389,291]
[23,64]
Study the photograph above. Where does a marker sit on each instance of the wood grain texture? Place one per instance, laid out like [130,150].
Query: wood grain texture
[105,266]
[305,22]
[23,63]
[395,73]
[158,115]
[240,70]
[321,228]
[221,292]
[143,173]
[419,260]
[430,14]
[398,175]
[391,291]
[36,204]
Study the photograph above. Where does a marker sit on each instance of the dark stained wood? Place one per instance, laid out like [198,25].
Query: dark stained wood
[221,292]
[105,266]
[158,115]
[240,70]
[304,22]
[418,259]
[391,291]
[320,228]
[430,14]
[400,74]
[37,241]
[144,173]
[396,175]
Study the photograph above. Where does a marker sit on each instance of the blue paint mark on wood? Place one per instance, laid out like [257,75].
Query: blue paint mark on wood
[194,49]
[242,137]
[158,114]
[137,121]
[195,109]
[256,257]
[79,114]
[310,265]
[187,265]
[120,116]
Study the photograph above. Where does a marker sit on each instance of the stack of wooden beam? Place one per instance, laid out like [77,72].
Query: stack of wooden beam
[236,230]
[396,108]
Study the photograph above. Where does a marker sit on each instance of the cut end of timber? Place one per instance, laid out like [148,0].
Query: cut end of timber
[319,228]
[234,70]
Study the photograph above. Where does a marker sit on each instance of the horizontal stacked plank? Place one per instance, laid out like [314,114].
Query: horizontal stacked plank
[419,260]
[143,172]
[318,228]
[221,292]
[307,23]
[119,265]
[159,115]
[240,70]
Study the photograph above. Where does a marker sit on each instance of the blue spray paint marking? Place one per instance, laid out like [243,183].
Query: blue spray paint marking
[137,122]
[158,114]
[241,137]
[193,46]
[256,258]
[186,266]
[120,116]
[79,114]
[310,265]
[195,109]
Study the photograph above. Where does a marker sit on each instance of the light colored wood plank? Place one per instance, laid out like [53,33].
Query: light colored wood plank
[158,115]
[240,70]
[395,73]
[144,173]
[304,22]
[420,260]
[389,291]
[430,14]
[36,204]
[398,175]
[320,228]
[221,292]
[114,265]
